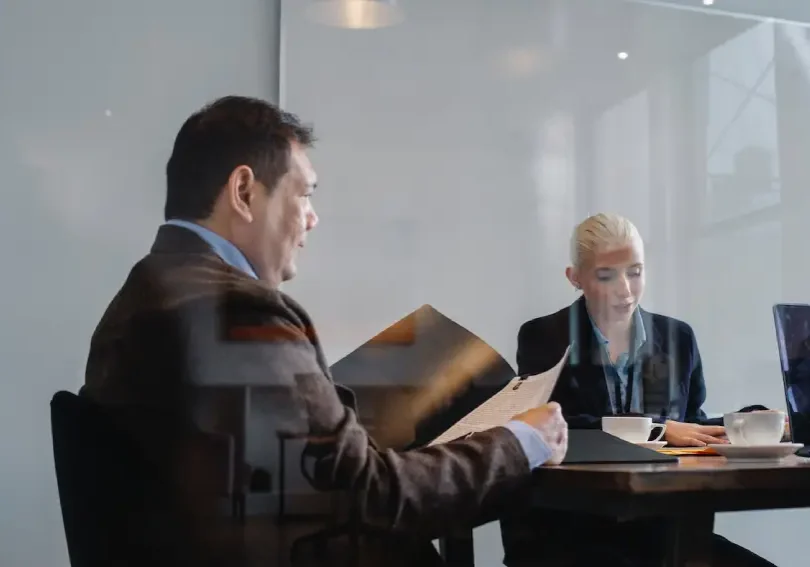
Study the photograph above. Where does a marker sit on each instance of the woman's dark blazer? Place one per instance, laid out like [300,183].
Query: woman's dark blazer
[671,370]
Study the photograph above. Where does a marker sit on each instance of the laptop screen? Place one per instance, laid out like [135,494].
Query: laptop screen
[793,338]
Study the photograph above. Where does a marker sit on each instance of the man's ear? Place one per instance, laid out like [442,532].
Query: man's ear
[240,187]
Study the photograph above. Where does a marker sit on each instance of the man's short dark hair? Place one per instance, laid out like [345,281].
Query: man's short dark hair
[225,134]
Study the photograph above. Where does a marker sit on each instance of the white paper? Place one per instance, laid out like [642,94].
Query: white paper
[516,397]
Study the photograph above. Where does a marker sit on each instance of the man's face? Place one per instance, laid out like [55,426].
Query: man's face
[612,281]
[281,219]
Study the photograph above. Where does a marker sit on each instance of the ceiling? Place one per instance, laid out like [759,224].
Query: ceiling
[461,56]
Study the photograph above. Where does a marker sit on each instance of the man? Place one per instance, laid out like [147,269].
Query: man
[204,307]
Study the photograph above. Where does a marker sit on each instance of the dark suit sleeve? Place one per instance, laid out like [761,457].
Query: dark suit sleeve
[529,359]
[533,350]
[535,354]
[697,385]
[420,491]
[568,394]
[580,420]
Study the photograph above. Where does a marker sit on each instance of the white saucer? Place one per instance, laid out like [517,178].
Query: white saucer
[776,451]
[654,445]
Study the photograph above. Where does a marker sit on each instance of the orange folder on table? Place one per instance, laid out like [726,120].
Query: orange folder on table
[689,451]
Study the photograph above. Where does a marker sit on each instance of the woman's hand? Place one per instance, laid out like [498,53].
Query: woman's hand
[681,434]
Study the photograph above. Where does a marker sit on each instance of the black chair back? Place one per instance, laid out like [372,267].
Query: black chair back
[102,485]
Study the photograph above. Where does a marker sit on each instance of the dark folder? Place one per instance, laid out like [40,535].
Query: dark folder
[594,446]
[411,354]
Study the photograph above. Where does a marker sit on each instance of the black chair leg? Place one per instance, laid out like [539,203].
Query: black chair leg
[281,477]
[238,507]
[354,547]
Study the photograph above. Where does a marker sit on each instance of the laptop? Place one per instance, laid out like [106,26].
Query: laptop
[792,323]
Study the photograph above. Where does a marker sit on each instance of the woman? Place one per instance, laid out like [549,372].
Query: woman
[623,360]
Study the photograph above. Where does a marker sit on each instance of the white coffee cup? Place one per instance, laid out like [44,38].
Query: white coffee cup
[755,428]
[631,428]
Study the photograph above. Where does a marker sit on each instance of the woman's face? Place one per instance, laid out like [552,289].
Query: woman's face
[612,281]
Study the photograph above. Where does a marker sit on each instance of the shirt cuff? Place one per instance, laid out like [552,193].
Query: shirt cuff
[534,446]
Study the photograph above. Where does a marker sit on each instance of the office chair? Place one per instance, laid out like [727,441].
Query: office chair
[107,489]
[101,483]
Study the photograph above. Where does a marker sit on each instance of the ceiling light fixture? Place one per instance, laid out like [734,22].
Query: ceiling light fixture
[708,2]
[356,14]
[622,55]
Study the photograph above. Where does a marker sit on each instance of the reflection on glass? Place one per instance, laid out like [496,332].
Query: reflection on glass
[622,155]
[742,166]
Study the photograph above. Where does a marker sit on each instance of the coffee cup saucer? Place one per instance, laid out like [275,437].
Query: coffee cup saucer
[654,445]
[771,451]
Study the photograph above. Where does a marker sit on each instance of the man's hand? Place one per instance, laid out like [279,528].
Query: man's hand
[693,435]
[550,423]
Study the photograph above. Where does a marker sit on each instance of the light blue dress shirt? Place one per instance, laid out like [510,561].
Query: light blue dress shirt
[222,247]
[620,370]
[534,446]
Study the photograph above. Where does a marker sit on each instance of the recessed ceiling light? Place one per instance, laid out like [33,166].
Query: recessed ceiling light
[708,2]
[622,55]
[356,14]
[522,61]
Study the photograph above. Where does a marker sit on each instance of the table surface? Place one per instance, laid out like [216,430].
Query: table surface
[689,474]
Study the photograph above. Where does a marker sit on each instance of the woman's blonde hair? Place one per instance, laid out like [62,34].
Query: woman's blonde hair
[602,230]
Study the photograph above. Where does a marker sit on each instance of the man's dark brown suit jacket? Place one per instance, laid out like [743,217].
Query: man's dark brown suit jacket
[183,319]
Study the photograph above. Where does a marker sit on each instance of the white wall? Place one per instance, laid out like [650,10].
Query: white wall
[458,149]
[83,194]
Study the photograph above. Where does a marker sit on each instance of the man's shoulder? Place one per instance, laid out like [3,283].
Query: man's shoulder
[187,286]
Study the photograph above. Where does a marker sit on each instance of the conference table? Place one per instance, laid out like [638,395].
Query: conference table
[684,496]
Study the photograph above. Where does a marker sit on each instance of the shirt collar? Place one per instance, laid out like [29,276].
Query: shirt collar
[222,247]
[638,324]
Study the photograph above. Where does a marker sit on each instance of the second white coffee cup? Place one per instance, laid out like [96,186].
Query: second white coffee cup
[755,428]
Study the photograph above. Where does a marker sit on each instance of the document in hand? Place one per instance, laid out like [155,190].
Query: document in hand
[518,396]
[436,372]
